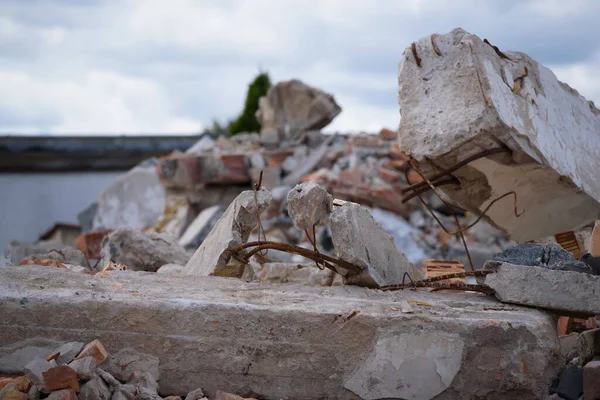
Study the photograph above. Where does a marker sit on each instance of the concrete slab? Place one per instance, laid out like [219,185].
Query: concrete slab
[289,341]
[459,97]
[568,293]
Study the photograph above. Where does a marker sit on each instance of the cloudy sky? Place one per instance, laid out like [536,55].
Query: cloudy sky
[171,66]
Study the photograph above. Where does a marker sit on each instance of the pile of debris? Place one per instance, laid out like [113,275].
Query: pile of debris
[428,208]
[76,371]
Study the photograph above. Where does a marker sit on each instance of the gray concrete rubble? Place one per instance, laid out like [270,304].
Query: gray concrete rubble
[85,367]
[292,107]
[141,251]
[95,388]
[67,352]
[135,200]
[358,343]
[63,254]
[546,255]
[458,96]
[170,269]
[34,371]
[232,229]
[562,292]
[123,363]
[307,204]
[200,227]
[360,240]
[589,346]
[17,250]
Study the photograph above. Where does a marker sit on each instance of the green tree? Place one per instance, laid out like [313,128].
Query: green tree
[247,122]
[217,126]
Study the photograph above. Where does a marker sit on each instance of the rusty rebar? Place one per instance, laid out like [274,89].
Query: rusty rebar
[456,166]
[441,182]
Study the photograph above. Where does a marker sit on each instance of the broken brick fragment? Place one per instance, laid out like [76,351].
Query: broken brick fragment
[12,394]
[23,383]
[90,243]
[414,177]
[94,349]
[388,134]
[389,175]
[61,377]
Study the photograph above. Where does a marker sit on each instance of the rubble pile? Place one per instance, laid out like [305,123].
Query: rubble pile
[88,372]
[184,256]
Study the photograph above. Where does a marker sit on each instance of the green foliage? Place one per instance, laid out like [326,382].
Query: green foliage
[217,126]
[247,122]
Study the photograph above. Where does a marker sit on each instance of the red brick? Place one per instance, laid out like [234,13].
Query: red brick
[23,383]
[61,377]
[94,349]
[389,175]
[349,177]
[397,154]
[275,158]
[414,177]
[90,243]
[45,262]
[591,381]
[388,134]
[399,165]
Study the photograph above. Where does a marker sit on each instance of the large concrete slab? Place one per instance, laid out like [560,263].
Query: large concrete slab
[290,341]
[563,292]
[459,97]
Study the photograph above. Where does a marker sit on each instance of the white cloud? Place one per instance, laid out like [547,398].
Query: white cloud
[98,102]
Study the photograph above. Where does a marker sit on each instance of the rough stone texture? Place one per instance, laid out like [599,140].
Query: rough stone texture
[591,380]
[306,274]
[110,380]
[360,240]
[122,364]
[65,394]
[305,333]
[195,394]
[589,345]
[135,200]
[64,254]
[563,292]
[468,98]
[569,346]
[307,204]
[35,370]
[200,227]
[141,251]
[570,383]
[292,107]
[232,229]
[67,352]
[426,364]
[170,269]
[144,384]
[17,250]
[85,367]
[547,255]
[94,389]
[124,392]
[33,393]
[14,359]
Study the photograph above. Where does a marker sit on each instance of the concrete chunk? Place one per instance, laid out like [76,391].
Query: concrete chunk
[35,370]
[200,227]
[135,200]
[185,322]
[124,362]
[85,367]
[68,351]
[563,292]
[307,204]
[458,97]
[94,389]
[232,229]
[141,251]
[360,240]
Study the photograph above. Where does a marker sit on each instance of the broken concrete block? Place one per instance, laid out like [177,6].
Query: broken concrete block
[13,359]
[170,269]
[33,393]
[458,96]
[65,394]
[94,389]
[569,345]
[570,383]
[195,394]
[591,380]
[200,227]
[17,250]
[589,345]
[61,377]
[67,352]
[85,367]
[166,324]
[65,255]
[141,251]
[563,292]
[292,107]
[35,370]
[307,204]
[232,229]
[175,217]
[360,240]
[94,349]
[306,274]
[144,383]
[205,144]
[547,255]
[123,363]
[124,392]
[135,200]
[110,380]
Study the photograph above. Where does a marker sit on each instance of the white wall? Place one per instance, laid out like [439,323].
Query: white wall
[30,203]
